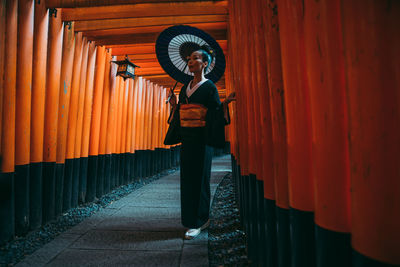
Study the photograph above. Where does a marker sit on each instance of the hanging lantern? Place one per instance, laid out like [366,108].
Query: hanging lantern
[126,69]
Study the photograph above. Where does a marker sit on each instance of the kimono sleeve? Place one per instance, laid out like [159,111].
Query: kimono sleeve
[215,121]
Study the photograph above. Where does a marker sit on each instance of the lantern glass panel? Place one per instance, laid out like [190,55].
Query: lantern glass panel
[131,69]
[121,68]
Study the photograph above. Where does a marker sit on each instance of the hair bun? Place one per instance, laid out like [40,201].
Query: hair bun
[209,50]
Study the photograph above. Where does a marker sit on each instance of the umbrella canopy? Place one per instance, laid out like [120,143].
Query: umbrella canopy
[176,43]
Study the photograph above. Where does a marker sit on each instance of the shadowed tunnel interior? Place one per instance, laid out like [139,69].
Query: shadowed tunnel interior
[314,132]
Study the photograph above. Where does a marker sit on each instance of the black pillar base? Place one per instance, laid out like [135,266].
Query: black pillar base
[302,238]
[139,163]
[75,181]
[48,196]
[107,173]
[169,160]
[360,260]
[113,181]
[136,165]
[153,162]
[332,248]
[21,188]
[243,200]
[283,237]
[178,156]
[157,152]
[59,190]
[123,168]
[252,219]
[260,222]
[146,164]
[91,178]
[83,172]
[128,160]
[118,172]
[67,196]
[271,251]
[7,210]
[162,159]
[100,176]
[35,195]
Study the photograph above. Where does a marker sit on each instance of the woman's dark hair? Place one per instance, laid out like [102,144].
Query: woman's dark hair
[207,54]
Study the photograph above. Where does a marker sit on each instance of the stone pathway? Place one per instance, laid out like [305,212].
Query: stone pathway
[141,229]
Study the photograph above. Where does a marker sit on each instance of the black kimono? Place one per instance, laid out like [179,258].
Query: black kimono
[196,155]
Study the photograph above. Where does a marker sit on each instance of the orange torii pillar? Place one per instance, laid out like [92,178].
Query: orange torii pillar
[70,160]
[54,51]
[111,141]
[23,114]
[159,133]
[109,162]
[114,124]
[119,107]
[372,60]
[325,72]
[7,218]
[252,119]
[104,169]
[164,114]
[147,128]
[150,130]
[95,122]
[230,82]
[145,110]
[297,109]
[41,25]
[64,186]
[235,75]
[154,130]
[278,122]
[126,134]
[87,117]
[3,22]
[157,128]
[167,109]
[129,143]
[67,72]
[140,128]
[243,169]
[268,231]
[124,124]
[76,174]
[260,114]
[135,113]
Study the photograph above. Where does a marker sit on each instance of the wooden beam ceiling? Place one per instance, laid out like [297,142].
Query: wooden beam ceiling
[146,49]
[93,3]
[92,25]
[145,10]
[154,29]
[132,27]
[142,38]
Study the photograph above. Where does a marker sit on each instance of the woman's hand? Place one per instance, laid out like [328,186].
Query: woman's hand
[172,99]
[231,97]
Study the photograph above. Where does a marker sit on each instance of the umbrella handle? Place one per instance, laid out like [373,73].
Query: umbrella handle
[171,92]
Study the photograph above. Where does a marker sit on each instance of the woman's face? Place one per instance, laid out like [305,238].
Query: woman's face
[196,63]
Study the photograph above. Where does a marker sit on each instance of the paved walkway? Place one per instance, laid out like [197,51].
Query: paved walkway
[141,229]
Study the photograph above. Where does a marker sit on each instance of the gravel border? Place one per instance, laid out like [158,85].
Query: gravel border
[14,251]
[226,239]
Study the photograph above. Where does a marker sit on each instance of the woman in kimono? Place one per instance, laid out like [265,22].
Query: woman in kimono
[202,121]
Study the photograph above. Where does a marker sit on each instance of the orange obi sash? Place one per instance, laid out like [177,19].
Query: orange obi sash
[192,115]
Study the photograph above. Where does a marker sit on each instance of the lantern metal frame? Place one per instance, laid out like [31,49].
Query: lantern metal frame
[126,68]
